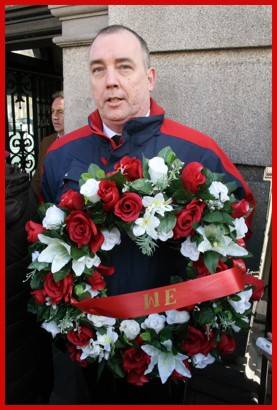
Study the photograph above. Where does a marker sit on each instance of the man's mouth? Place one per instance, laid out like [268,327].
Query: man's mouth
[114,99]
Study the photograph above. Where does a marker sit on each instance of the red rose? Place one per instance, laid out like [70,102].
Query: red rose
[33,229]
[96,281]
[240,208]
[240,264]
[130,167]
[75,355]
[39,296]
[81,336]
[135,362]
[187,217]
[72,200]
[105,270]
[192,177]
[128,207]
[109,194]
[58,291]
[202,270]
[197,342]
[96,242]
[80,228]
[241,241]
[258,286]
[227,344]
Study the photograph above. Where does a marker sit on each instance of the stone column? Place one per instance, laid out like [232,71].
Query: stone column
[79,26]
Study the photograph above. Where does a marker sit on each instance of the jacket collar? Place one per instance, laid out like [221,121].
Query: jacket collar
[134,125]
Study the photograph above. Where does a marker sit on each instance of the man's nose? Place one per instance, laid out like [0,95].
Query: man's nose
[111,78]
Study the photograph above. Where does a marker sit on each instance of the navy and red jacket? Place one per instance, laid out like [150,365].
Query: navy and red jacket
[70,156]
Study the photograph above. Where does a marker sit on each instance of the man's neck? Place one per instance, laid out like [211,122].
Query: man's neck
[110,132]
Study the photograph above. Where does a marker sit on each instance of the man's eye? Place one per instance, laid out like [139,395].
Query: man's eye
[96,70]
[125,67]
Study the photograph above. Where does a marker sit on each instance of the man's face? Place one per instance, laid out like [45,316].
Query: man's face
[120,81]
[57,115]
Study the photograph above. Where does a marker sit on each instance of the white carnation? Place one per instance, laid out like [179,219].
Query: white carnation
[100,321]
[177,316]
[111,238]
[130,328]
[157,169]
[54,218]
[155,322]
[90,189]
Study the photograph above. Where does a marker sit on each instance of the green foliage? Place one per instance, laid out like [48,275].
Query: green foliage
[218,217]
[211,260]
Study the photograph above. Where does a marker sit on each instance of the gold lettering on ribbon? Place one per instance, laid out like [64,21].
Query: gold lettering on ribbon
[151,300]
[169,297]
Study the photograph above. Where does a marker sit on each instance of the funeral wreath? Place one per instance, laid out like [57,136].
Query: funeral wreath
[162,332]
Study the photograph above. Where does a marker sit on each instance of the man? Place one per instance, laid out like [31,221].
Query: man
[28,353]
[57,119]
[121,81]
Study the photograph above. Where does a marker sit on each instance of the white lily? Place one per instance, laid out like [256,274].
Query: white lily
[51,327]
[157,204]
[111,238]
[78,265]
[57,252]
[146,224]
[189,249]
[201,361]
[167,362]
[92,350]
[219,191]
[219,243]
[107,340]
[240,306]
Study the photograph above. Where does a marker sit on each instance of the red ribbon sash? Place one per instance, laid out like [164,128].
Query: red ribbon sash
[156,300]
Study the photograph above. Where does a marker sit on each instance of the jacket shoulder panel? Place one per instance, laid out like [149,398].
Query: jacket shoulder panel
[82,132]
[177,130]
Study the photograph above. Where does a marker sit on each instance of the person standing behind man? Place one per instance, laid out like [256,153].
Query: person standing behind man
[57,119]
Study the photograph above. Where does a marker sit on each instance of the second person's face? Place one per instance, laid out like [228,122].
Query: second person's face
[121,83]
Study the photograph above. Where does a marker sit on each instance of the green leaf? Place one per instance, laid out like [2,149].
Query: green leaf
[205,316]
[211,260]
[182,196]
[36,282]
[96,172]
[43,208]
[146,336]
[142,185]
[114,365]
[218,217]
[166,334]
[145,167]
[61,274]
[38,265]
[168,155]
[232,186]
[77,253]
[167,222]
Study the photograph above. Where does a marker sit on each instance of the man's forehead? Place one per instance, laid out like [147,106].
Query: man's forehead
[106,43]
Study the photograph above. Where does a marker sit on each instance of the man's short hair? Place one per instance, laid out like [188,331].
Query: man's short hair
[118,27]
[57,94]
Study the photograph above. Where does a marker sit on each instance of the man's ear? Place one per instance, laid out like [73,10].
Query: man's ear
[152,75]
